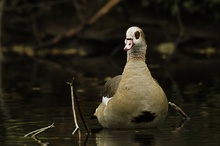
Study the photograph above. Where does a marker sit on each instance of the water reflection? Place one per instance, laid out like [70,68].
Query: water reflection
[32,103]
[109,137]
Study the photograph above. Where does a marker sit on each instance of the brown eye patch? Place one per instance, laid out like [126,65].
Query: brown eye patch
[137,34]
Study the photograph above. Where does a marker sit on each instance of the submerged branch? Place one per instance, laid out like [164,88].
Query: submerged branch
[179,127]
[75,98]
[178,109]
[39,141]
[38,131]
[73,108]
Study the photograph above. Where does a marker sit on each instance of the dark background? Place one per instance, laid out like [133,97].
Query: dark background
[45,43]
[50,27]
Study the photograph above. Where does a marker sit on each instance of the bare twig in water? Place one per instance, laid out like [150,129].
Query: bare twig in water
[39,141]
[38,131]
[179,127]
[75,98]
[178,109]
[73,108]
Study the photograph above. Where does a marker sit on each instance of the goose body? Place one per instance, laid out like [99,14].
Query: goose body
[133,99]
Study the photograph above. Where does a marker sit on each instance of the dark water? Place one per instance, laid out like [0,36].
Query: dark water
[36,95]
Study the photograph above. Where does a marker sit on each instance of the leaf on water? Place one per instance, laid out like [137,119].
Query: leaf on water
[80,90]
[204,114]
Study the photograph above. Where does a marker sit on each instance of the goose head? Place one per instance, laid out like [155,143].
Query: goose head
[135,43]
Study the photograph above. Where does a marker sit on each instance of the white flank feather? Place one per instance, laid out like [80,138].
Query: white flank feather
[105,100]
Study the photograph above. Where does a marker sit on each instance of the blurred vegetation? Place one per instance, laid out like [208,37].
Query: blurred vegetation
[32,30]
[83,24]
[189,6]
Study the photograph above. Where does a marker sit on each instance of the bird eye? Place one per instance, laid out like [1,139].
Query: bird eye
[137,34]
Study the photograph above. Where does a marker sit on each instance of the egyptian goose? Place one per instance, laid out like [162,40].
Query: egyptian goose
[133,99]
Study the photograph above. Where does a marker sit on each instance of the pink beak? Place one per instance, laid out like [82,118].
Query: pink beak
[128,44]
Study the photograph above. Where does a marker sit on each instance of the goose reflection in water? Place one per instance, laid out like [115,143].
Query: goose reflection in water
[111,137]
